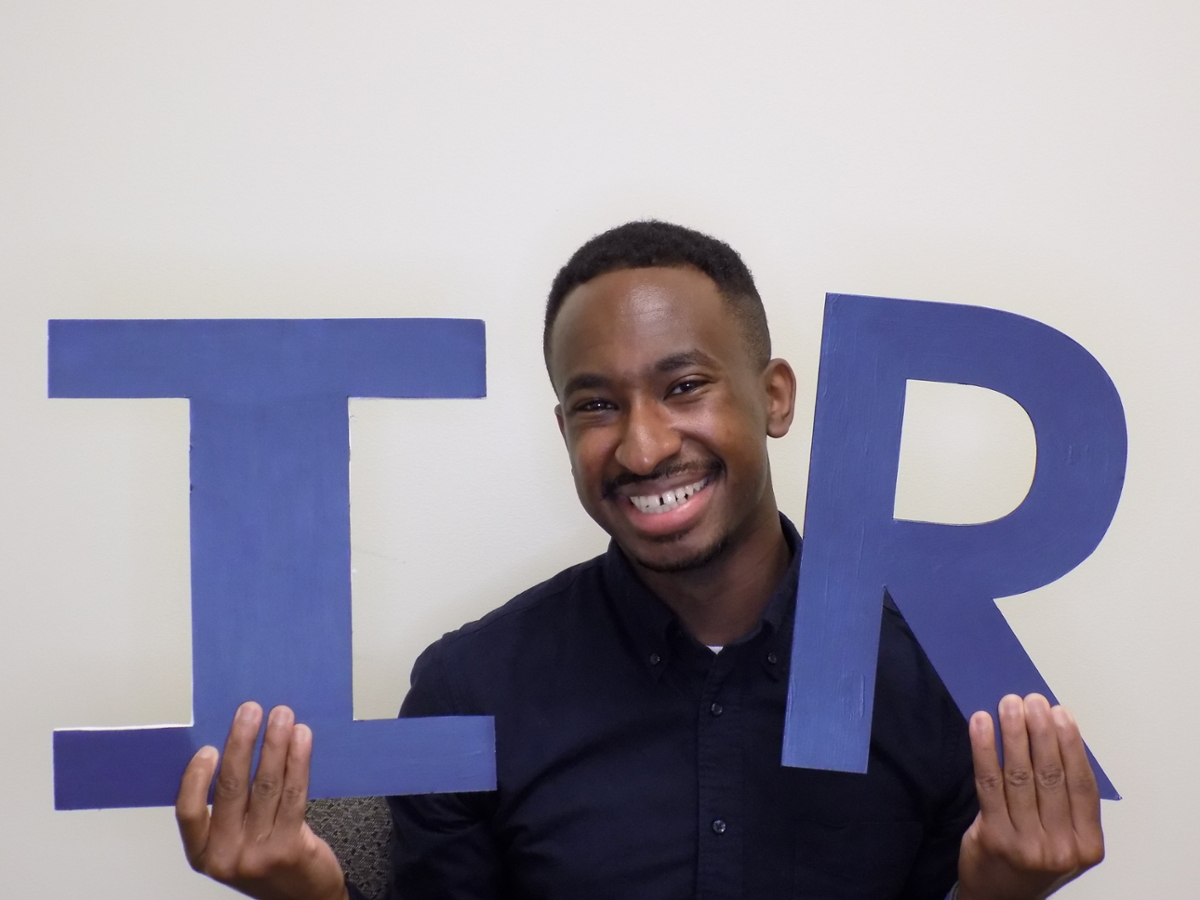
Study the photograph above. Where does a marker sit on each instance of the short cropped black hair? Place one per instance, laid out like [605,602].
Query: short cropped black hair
[651,243]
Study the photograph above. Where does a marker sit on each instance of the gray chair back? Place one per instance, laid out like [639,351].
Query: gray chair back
[359,829]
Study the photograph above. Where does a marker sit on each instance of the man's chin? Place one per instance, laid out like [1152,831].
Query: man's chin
[677,558]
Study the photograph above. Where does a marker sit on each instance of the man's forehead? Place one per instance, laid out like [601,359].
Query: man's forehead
[638,301]
[640,321]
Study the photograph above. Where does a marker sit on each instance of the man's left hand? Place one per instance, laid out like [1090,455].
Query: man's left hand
[1039,816]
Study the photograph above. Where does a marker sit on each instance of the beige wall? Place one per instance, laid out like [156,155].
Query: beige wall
[314,159]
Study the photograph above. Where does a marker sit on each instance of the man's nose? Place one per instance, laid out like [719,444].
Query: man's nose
[649,438]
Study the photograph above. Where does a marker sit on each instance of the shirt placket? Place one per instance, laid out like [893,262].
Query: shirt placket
[721,824]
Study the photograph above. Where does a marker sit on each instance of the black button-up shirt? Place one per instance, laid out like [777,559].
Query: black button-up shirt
[633,762]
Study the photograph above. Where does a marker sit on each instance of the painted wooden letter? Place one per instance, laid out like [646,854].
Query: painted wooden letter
[943,578]
[270,540]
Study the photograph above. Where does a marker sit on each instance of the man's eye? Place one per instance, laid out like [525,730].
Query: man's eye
[589,406]
[686,386]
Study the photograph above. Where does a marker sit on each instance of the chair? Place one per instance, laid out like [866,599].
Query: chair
[359,829]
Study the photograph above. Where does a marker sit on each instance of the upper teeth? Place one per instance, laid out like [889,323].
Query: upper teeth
[668,500]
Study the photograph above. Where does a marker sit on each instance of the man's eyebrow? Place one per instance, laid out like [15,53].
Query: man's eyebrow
[588,381]
[584,382]
[684,360]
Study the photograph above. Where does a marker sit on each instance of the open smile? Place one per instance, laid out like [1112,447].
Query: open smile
[670,512]
[657,504]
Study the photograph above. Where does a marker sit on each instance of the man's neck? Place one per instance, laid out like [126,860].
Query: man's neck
[725,599]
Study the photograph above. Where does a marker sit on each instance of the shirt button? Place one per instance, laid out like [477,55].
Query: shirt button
[719,826]
[655,659]
[772,658]
[716,709]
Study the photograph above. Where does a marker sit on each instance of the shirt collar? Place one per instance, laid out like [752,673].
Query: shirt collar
[647,620]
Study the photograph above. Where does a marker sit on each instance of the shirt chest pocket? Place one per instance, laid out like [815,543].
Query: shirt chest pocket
[854,860]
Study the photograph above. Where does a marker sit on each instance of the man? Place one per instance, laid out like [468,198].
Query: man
[639,697]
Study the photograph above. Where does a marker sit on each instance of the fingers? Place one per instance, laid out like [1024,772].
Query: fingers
[293,800]
[255,839]
[1030,790]
[1039,821]
[191,805]
[989,779]
[1054,807]
[1020,789]
[233,778]
[1082,791]
[268,780]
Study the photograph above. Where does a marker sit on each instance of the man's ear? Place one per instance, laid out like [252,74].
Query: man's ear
[779,382]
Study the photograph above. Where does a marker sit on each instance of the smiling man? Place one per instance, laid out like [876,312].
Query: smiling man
[667,393]
[639,697]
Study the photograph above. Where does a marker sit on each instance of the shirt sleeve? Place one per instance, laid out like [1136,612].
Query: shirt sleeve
[444,843]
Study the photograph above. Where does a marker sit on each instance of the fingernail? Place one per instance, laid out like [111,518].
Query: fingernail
[1009,704]
[245,712]
[208,754]
[275,716]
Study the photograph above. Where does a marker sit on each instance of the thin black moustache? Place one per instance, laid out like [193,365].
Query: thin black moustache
[610,486]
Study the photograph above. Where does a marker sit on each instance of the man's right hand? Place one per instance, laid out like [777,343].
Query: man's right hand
[256,840]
